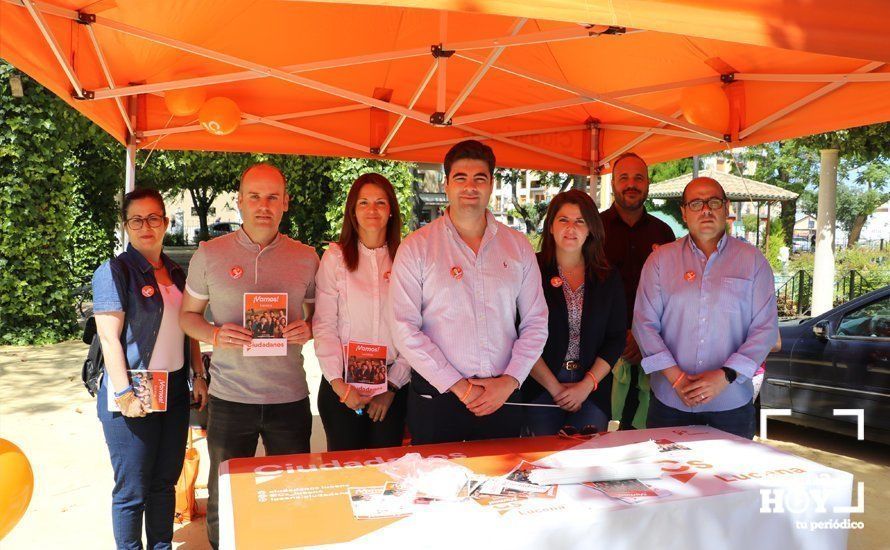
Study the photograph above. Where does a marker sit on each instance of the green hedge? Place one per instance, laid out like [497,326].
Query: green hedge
[56,211]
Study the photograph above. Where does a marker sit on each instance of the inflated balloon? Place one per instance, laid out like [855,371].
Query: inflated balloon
[16,485]
[706,106]
[184,102]
[219,116]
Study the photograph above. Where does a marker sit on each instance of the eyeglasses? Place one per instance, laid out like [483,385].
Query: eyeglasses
[153,221]
[571,432]
[713,204]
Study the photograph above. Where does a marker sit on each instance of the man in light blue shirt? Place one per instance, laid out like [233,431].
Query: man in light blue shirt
[705,319]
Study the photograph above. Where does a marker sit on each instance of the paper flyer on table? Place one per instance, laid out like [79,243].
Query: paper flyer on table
[366,367]
[265,315]
[379,502]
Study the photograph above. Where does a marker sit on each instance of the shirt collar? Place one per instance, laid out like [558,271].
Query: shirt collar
[721,244]
[141,261]
[612,213]
[144,265]
[491,225]
[371,251]
[244,240]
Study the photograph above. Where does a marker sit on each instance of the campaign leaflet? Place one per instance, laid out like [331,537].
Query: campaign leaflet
[631,491]
[150,387]
[265,314]
[366,367]
[379,502]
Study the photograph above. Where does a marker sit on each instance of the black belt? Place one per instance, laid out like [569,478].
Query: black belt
[571,365]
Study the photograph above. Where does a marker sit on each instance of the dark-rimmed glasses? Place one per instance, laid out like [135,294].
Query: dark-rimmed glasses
[713,203]
[154,221]
[571,432]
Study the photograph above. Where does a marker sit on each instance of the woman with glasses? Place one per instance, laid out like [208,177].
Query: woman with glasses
[136,300]
[570,385]
[351,329]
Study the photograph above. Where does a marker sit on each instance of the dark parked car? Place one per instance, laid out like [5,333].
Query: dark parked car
[838,360]
[217,229]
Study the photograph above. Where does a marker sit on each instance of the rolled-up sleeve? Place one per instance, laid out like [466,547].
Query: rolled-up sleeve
[763,332]
[648,310]
[196,281]
[532,307]
[328,348]
[105,293]
[404,308]
[400,372]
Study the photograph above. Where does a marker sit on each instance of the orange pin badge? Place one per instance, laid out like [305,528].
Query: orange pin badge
[556,282]
[386,276]
[148,291]
[457,273]
[236,272]
[690,276]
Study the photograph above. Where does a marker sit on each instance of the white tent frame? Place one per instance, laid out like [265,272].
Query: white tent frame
[495,45]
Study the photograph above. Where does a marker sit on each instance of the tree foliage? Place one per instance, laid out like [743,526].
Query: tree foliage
[204,176]
[863,173]
[57,217]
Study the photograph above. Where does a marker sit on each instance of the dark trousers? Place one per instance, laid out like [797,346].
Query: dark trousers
[740,421]
[345,430]
[442,418]
[233,430]
[549,420]
[146,456]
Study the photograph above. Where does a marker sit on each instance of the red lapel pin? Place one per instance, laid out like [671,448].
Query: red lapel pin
[236,272]
[457,272]
[148,291]
[690,276]
[556,282]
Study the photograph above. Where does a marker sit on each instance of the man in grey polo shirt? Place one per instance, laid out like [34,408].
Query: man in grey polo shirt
[252,396]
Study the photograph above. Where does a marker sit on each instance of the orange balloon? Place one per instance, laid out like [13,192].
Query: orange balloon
[16,486]
[184,102]
[220,116]
[706,106]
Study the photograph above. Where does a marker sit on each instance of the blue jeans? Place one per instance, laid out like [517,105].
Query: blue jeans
[549,420]
[740,421]
[146,455]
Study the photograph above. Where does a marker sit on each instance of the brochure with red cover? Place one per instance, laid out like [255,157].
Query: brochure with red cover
[150,387]
[366,367]
[265,314]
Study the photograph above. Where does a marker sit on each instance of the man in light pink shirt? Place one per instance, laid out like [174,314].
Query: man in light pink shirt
[468,312]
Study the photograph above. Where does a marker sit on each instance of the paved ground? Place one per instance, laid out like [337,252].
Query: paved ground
[45,410]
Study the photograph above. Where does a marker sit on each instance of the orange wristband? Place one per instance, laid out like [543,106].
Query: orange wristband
[592,377]
[215,335]
[679,378]
[346,395]
[463,398]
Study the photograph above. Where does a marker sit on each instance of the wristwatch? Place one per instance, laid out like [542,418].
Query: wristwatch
[729,374]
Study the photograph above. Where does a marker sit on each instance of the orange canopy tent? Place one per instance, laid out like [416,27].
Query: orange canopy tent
[561,85]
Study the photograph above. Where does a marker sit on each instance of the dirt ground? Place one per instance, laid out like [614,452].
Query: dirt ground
[45,410]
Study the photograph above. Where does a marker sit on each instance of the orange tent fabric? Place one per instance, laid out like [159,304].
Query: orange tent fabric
[529,76]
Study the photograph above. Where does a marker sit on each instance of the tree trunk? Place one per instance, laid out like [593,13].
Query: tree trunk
[856,230]
[789,209]
[202,199]
[579,182]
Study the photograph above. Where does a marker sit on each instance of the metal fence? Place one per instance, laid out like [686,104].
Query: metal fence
[794,295]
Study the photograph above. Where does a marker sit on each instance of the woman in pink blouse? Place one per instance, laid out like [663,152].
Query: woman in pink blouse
[350,326]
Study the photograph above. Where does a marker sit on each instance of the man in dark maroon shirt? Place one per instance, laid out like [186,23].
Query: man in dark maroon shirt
[631,235]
